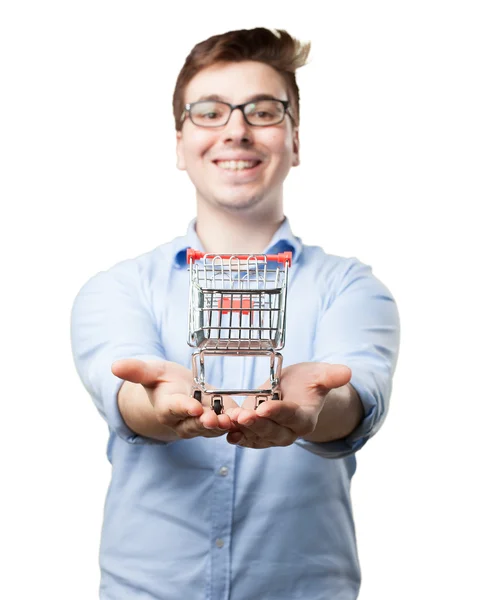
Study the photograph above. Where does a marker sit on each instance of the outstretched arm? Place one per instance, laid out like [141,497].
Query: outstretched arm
[117,351]
[340,398]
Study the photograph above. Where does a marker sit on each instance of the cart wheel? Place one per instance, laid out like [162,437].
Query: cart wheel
[275,396]
[217,406]
[197,395]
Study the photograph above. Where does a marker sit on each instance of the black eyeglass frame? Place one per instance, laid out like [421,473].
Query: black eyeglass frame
[286,104]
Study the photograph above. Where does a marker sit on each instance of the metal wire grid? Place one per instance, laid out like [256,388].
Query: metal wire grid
[237,304]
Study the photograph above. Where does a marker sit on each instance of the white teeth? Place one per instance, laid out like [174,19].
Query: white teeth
[236,165]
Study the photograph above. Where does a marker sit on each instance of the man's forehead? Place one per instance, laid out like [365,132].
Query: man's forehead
[236,82]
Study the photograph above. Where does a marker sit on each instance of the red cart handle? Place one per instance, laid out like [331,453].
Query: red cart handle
[282,257]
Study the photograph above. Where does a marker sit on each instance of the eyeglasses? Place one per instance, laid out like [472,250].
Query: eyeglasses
[214,113]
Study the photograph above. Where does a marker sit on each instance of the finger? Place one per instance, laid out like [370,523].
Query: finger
[148,373]
[175,408]
[241,435]
[266,429]
[193,427]
[137,371]
[246,417]
[300,419]
[211,420]
[224,422]
[252,442]
[329,376]
[256,444]
[233,412]
[269,431]
[235,437]
[246,438]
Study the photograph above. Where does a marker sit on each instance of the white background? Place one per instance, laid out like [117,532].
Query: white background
[389,174]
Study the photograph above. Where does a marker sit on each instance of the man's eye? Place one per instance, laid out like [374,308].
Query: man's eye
[210,115]
[263,115]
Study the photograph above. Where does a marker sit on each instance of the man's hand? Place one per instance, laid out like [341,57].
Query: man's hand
[168,387]
[279,423]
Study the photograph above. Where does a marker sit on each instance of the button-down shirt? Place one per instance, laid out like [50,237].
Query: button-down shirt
[203,519]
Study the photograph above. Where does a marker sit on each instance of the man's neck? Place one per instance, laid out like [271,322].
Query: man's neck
[230,232]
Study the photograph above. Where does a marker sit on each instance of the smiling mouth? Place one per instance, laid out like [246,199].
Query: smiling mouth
[237,165]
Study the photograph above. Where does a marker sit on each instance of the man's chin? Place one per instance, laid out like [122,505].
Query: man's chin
[237,205]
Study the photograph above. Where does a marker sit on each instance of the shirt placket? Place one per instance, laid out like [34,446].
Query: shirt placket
[236,372]
[222,502]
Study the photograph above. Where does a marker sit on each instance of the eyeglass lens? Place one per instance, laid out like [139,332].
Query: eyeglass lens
[215,114]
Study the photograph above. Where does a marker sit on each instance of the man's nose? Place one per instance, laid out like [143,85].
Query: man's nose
[237,128]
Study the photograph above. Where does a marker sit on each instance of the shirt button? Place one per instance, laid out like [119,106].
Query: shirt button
[220,543]
[223,471]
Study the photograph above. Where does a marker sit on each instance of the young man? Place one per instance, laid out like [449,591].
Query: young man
[248,503]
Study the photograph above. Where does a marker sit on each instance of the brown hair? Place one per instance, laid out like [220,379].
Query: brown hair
[276,48]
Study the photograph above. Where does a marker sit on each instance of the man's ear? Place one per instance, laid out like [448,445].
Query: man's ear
[295,147]
[180,156]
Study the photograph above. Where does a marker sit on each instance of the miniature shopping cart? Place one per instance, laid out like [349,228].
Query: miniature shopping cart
[237,308]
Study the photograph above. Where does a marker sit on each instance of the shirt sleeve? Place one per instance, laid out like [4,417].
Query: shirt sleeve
[111,320]
[359,327]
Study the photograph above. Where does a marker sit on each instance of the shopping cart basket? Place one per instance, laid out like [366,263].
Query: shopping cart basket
[237,307]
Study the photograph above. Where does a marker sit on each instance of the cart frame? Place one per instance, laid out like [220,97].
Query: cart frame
[237,307]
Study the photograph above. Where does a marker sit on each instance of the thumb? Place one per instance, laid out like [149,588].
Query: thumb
[149,374]
[332,376]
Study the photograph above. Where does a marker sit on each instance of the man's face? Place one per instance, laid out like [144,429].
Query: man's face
[208,154]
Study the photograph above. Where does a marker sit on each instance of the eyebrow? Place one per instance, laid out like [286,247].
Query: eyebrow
[255,98]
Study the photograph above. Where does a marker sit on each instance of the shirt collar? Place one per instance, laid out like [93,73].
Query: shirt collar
[282,241]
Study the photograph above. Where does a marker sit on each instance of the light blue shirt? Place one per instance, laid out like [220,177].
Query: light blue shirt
[201,519]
